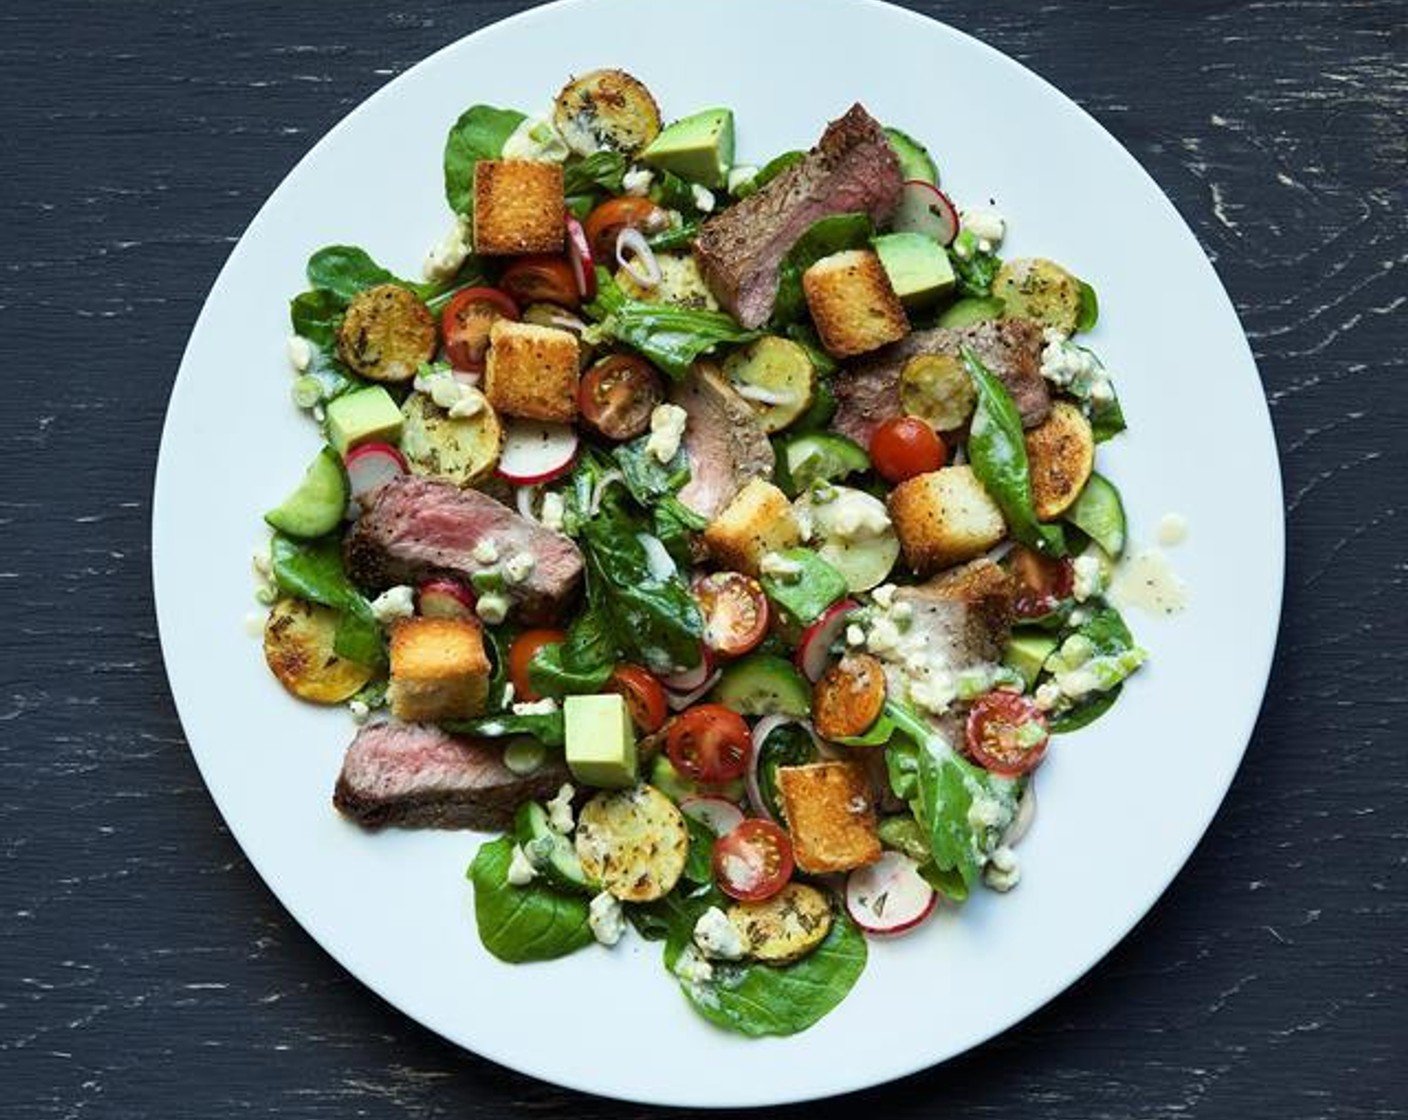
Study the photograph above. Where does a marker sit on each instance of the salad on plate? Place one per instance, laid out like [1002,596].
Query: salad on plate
[727,538]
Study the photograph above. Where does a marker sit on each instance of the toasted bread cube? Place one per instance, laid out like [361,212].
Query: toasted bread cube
[831,815]
[439,669]
[944,517]
[531,371]
[759,520]
[853,303]
[518,207]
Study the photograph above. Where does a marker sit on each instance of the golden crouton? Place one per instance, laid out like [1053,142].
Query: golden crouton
[831,815]
[853,303]
[759,520]
[531,371]
[943,518]
[438,669]
[1060,457]
[518,207]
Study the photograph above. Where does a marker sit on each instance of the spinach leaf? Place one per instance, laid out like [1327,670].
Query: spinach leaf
[998,452]
[313,570]
[546,727]
[654,484]
[582,663]
[600,171]
[973,271]
[1106,418]
[480,133]
[1089,313]
[757,999]
[829,235]
[699,862]
[803,599]
[825,365]
[768,172]
[345,270]
[787,745]
[528,923]
[1084,713]
[316,315]
[675,914]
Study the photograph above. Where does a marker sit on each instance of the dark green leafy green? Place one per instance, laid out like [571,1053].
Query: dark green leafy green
[973,270]
[313,570]
[805,336]
[787,745]
[768,172]
[1084,713]
[316,315]
[546,727]
[676,237]
[581,664]
[832,234]
[1106,418]
[676,913]
[345,270]
[673,192]
[596,173]
[699,862]
[1089,313]
[528,923]
[479,133]
[803,599]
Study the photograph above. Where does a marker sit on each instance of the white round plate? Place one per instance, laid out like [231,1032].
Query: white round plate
[1122,804]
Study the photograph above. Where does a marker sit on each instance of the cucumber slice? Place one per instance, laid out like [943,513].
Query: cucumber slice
[915,160]
[1099,513]
[318,504]
[764,685]
[551,852]
[970,310]
[819,455]
[1027,653]
[775,376]
[675,786]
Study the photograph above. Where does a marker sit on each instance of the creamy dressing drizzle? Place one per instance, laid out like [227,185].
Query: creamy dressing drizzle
[1173,529]
[1147,581]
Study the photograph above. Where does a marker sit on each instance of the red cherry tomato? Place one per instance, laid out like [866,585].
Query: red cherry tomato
[542,277]
[1007,733]
[618,394]
[605,223]
[645,697]
[520,655]
[1042,581]
[709,743]
[904,447]
[753,861]
[735,610]
[465,325]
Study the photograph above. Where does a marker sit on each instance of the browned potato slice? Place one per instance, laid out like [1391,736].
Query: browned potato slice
[463,450]
[786,926]
[937,389]
[606,109]
[633,842]
[849,696]
[386,333]
[1035,288]
[298,640]
[776,378]
[1060,456]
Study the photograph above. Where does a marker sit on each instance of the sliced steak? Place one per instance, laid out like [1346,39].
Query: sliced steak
[723,439]
[867,392]
[415,528]
[851,170]
[413,775]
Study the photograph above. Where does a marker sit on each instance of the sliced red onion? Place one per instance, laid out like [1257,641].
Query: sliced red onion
[634,254]
[657,560]
[1022,821]
[761,730]
[607,478]
[687,680]
[679,701]
[523,498]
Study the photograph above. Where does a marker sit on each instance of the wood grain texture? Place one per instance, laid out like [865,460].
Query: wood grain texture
[146,972]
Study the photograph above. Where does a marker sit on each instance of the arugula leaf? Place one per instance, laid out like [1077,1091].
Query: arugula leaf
[313,570]
[998,452]
[528,923]
[676,237]
[479,133]
[829,235]
[600,171]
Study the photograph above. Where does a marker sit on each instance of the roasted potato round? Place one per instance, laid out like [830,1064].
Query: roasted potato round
[606,109]
[298,640]
[937,389]
[849,696]
[786,926]
[386,333]
[462,450]
[633,842]
[1060,457]
[1035,288]
[775,376]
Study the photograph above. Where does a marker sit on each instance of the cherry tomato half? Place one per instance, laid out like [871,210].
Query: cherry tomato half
[709,743]
[735,610]
[1007,733]
[1042,581]
[605,223]
[906,446]
[465,325]
[520,655]
[618,394]
[541,277]
[753,861]
[645,697]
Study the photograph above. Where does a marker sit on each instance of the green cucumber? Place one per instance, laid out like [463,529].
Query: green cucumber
[970,310]
[1099,513]
[549,851]
[763,685]
[319,503]
[675,786]
[915,160]
[815,456]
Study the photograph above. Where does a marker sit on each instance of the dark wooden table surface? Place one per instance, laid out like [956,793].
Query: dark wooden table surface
[144,969]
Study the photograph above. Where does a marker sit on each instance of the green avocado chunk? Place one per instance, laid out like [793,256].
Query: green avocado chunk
[698,148]
[917,266]
[362,416]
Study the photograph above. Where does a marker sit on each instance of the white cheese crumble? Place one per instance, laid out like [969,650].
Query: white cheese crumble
[667,424]
[446,256]
[492,607]
[553,512]
[780,567]
[1074,368]
[535,139]
[360,711]
[606,918]
[518,567]
[985,812]
[692,968]
[394,603]
[560,809]
[485,551]
[521,871]
[460,400]
[1047,696]
[855,636]
[300,353]
[1089,578]
[703,198]
[988,226]
[716,936]
[1003,872]
[852,516]
[884,595]
[544,707]
[636,181]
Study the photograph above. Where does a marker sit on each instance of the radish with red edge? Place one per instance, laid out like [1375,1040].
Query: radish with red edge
[814,650]
[926,209]
[536,452]
[370,465]
[889,896]
[687,680]
[720,815]
[579,253]
[444,598]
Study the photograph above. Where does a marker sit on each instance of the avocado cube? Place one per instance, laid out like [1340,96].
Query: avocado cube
[600,740]
[698,148]
[918,268]
[1026,653]
[362,416]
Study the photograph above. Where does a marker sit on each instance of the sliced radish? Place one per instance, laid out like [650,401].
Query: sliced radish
[1023,818]
[889,895]
[814,650]
[579,252]
[444,598]
[370,465]
[536,452]
[679,701]
[926,209]
[687,680]
[761,730]
[720,814]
